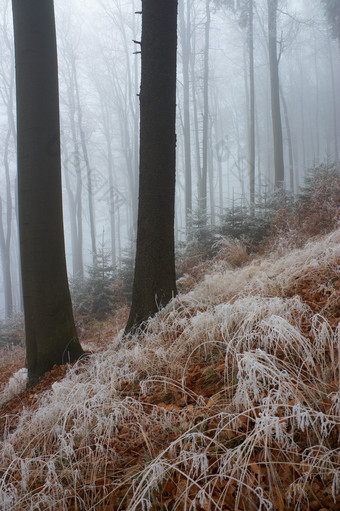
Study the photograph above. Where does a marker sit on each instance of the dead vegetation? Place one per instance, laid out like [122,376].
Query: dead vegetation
[229,400]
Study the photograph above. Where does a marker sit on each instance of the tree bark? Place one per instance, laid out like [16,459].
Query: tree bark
[155,279]
[51,336]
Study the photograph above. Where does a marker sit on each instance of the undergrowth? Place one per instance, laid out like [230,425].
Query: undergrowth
[228,400]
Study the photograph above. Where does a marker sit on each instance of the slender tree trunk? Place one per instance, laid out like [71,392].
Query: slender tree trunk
[87,163]
[211,179]
[155,279]
[335,123]
[275,94]
[6,235]
[185,44]
[205,135]
[78,200]
[51,336]
[110,171]
[76,230]
[289,140]
[6,266]
[252,108]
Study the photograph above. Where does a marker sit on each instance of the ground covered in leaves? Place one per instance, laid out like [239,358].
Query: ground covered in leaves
[229,400]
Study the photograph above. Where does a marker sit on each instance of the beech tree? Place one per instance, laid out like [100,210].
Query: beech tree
[51,336]
[155,279]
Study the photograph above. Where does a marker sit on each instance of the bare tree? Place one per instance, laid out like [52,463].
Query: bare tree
[185,33]
[275,94]
[6,224]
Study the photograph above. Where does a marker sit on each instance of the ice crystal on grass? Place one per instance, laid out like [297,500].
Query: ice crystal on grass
[15,386]
[143,424]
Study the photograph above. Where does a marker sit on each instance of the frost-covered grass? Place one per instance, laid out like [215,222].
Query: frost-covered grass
[230,399]
[15,386]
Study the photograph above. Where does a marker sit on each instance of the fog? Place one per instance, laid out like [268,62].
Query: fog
[99,74]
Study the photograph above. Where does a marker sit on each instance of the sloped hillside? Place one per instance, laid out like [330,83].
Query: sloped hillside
[229,400]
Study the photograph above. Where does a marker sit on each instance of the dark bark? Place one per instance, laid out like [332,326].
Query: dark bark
[51,336]
[275,94]
[155,279]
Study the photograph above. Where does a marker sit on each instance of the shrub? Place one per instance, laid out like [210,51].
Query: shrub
[316,210]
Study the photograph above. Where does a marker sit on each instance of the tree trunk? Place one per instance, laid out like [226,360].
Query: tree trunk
[6,235]
[51,336]
[289,140]
[155,280]
[251,109]
[275,94]
[185,43]
[335,123]
[205,136]
[87,164]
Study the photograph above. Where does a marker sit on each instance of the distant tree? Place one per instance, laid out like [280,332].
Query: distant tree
[245,12]
[185,32]
[203,171]
[51,336]
[155,279]
[6,206]
[98,293]
[332,10]
[275,93]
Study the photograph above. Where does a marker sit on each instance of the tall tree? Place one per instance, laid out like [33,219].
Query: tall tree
[275,93]
[185,31]
[202,192]
[51,336]
[245,11]
[7,97]
[332,10]
[155,278]
[251,105]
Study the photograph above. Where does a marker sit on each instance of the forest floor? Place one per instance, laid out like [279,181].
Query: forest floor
[230,400]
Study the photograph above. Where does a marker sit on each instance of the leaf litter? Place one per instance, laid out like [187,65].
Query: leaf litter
[228,400]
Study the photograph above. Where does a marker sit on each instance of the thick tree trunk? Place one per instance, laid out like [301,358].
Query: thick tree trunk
[275,94]
[51,336]
[155,280]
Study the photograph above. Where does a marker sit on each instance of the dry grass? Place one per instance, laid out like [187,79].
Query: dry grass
[229,400]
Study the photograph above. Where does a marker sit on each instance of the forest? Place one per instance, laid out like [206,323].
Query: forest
[169,242]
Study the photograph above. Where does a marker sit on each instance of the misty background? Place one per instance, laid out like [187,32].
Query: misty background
[99,76]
